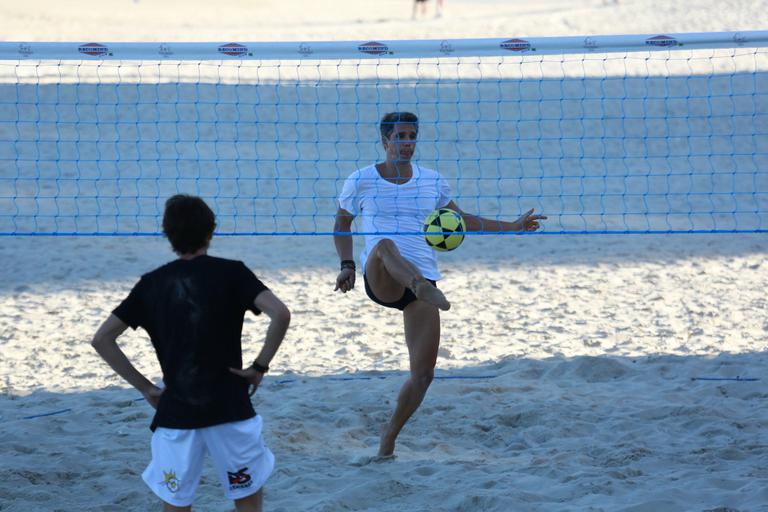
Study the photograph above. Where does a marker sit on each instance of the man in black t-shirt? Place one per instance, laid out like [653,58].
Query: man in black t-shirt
[193,310]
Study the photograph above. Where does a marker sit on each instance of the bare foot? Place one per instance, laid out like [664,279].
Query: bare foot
[376,459]
[426,291]
[386,446]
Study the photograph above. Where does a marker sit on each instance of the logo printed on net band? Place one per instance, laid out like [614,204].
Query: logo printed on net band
[515,45]
[739,38]
[374,48]
[25,49]
[165,50]
[661,41]
[93,49]
[305,49]
[234,49]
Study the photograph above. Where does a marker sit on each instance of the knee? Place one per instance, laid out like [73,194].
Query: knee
[385,245]
[423,379]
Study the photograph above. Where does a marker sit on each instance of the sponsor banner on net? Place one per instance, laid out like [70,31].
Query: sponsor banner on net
[374,48]
[94,49]
[234,50]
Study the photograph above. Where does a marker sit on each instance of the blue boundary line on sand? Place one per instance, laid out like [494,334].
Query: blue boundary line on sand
[733,379]
[52,413]
[380,377]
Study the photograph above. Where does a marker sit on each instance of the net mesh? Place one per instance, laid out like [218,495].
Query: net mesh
[648,141]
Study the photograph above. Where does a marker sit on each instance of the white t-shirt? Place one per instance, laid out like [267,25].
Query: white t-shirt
[387,209]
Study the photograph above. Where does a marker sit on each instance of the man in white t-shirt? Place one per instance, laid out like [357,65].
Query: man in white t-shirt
[400,270]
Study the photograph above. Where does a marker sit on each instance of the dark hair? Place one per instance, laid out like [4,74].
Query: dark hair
[188,223]
[389,121]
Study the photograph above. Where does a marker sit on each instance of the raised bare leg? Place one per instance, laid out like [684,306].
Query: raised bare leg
[389,274]
[422,334]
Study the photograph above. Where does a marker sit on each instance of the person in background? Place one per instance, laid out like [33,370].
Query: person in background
[420,7]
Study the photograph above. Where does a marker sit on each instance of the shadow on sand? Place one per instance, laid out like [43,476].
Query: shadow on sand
[606,433]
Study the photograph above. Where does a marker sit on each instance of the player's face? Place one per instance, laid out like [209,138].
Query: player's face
[401,143]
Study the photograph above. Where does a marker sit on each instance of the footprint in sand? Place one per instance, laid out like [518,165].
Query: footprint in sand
[375,459]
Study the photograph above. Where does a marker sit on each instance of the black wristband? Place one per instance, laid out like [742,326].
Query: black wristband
[259,368]
[350,264]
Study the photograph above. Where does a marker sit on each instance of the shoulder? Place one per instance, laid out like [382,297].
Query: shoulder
[361,180]
[150,280]
[429,174]
[226,270]
[363,172]
[158,272]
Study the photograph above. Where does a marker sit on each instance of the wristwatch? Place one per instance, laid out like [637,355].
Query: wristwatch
[259,368]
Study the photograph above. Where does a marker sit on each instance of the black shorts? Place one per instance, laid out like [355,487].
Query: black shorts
[401,303]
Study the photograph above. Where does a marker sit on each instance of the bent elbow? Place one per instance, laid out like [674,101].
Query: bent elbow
[284,317]
[340,228]
[343,225]
[280,316]
[99,341]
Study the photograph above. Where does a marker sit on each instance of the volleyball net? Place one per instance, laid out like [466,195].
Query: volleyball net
[604,134]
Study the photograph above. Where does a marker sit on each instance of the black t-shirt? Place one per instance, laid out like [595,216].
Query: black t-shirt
[193,311]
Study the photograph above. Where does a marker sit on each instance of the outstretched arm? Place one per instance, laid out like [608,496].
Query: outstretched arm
[105,343]
[345,281]
[280,319]
[526,222]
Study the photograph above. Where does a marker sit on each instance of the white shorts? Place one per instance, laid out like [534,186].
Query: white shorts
[242,460]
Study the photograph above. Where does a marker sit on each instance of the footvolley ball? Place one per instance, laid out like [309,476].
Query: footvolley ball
[444,229]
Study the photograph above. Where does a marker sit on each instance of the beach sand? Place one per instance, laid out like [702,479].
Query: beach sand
[579,372]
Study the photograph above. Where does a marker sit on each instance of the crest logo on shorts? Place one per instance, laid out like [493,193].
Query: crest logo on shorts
[239,479]
[93,49]
[515,45]
[170,481]
[661,41]
[234,49]
[374,48]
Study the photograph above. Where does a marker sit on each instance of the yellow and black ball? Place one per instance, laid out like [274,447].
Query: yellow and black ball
[444,229]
